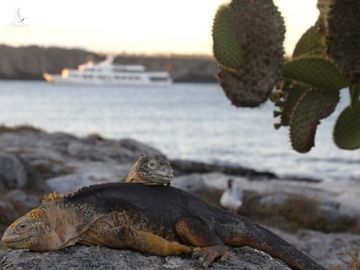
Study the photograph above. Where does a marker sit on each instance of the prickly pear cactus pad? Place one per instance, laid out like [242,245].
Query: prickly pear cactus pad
[347,128]
[344,37]
[316,71]
[310,109]
[259,30]
[292,93]
[227,50]
[234,85]
[312,42]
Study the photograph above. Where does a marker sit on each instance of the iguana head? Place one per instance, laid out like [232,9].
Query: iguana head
[152,170]
[28,232]
[47,227]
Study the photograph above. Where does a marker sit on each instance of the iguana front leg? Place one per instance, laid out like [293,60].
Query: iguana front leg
[209,245]
[147,242]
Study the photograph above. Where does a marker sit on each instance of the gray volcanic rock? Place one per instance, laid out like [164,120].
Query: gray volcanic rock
[327,249]
[182,167]
[124,150]
[12,172]
[7,214]
[14,204]
[88,258]
[28,141]
[66,162]
[274,199]
[22,200]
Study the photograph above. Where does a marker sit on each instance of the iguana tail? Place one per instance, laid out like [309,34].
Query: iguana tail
[239,231]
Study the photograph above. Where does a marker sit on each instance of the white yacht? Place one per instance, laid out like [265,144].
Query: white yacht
[108,74]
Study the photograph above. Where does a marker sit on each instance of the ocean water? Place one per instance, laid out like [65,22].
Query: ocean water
[192,121]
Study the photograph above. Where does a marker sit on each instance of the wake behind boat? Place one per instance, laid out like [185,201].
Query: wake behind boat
[106,73]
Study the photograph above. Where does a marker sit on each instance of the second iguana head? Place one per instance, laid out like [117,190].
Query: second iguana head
[150,170]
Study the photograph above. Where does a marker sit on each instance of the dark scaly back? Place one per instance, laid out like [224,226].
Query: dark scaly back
[162,204]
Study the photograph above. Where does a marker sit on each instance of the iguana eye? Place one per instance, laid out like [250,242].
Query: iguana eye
[23,226]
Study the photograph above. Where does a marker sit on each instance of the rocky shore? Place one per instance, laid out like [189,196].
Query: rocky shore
[312,214]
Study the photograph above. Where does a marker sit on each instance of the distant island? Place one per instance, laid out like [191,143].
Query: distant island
[29,63]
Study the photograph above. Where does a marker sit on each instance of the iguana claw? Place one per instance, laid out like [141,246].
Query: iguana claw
[207,255]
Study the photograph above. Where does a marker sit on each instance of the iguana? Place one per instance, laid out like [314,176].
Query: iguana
[150,170]
[159,220]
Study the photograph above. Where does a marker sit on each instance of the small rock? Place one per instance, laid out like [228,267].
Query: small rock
[7,213]
[21,200]
[276,199]
[84,151]
[71,183]
[191,182]
[187,167]
[137,148]
[12,171]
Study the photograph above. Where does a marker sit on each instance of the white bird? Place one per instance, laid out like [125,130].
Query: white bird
[232,197]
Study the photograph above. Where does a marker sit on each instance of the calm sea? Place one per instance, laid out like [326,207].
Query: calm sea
[192,121]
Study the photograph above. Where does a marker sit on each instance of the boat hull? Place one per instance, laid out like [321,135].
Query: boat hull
[59,80]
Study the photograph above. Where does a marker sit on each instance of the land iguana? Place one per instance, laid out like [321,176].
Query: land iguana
[150,170]
[159,220]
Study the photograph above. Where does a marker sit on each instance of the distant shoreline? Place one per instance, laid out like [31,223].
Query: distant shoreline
[30,62]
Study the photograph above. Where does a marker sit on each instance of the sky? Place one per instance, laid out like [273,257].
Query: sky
[131,26]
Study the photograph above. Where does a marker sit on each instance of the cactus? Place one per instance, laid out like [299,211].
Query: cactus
[324,9]
[347,128]
[309,110]
[250,76]
[292,93]
[227,49]
[247,44]
[344,37]
[242,89]
[312,42]
[316,71]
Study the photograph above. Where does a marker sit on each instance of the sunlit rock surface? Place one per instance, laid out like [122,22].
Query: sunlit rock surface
[81,258]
